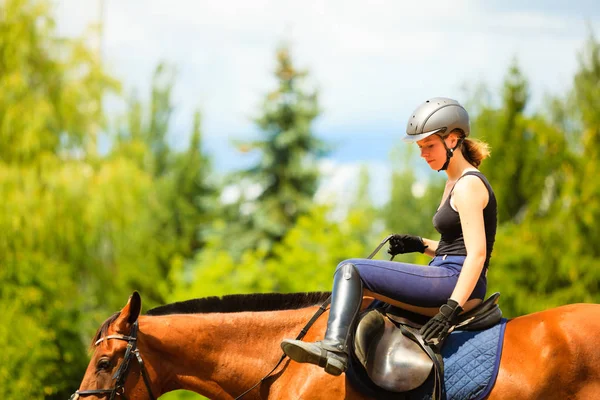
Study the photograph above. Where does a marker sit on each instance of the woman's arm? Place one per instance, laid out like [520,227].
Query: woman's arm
[432,246]
[470,198]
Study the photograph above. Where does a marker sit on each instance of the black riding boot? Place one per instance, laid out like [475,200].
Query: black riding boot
[332,352]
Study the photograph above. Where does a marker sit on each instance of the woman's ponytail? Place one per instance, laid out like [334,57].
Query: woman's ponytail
[475,151]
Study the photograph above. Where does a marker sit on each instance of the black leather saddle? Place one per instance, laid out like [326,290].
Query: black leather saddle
[388,345]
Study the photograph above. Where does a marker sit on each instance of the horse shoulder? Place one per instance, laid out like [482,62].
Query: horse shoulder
[306,381]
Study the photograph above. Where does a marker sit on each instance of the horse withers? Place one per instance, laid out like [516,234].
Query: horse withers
[220,347]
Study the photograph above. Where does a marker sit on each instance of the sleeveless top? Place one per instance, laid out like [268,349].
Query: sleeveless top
[447,222]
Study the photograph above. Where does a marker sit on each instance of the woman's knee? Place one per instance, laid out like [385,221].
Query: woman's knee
[351,261]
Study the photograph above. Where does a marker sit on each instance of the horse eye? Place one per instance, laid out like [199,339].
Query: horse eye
[103,364]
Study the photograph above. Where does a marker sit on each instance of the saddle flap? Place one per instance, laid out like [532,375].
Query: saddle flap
[392,361]
[369,328]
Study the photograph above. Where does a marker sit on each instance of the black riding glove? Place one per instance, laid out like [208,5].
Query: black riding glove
[402,244]
[435,331]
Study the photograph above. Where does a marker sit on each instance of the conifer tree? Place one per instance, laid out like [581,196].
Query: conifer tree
[194,193]
[286,174]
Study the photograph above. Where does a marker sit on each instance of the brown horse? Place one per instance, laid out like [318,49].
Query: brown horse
[219,348]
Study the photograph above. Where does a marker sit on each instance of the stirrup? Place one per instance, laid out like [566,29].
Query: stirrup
[333,362]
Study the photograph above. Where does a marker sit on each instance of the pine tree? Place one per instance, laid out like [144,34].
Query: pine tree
[184,199]
[545,258]
[286,173]
[194,193]
[526,150]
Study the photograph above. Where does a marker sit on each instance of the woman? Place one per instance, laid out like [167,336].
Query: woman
[455,279]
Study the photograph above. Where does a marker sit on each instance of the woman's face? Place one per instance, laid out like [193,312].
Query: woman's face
[433,151]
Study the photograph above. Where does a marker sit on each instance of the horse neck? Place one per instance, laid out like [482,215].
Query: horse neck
[216,355]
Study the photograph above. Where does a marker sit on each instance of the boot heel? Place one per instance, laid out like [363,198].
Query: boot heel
[335,367]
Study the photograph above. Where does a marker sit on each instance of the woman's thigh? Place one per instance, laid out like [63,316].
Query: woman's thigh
[419,285]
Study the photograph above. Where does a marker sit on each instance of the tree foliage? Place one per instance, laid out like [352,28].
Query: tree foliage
[286,175]
[545,258]
[81,228]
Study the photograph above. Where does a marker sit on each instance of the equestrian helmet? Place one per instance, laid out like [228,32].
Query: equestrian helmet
[440,116]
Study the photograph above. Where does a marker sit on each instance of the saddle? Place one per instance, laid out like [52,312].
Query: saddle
[388,345]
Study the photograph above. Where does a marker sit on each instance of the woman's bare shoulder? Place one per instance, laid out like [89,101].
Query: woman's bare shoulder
[470,190]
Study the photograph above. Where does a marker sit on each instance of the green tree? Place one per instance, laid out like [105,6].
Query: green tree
[143,135]
[303,261]
[286,173]
[51,92]
[544,258]
[504,131]
[183,196]
[527,151]
[80,230]
[191,194]
[58,83]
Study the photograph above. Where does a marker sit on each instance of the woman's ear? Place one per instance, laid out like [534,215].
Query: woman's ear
[452,140]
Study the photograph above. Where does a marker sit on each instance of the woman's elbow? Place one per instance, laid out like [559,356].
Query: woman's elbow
[478,257]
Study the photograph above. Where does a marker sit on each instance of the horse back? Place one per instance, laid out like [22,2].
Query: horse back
[552,354]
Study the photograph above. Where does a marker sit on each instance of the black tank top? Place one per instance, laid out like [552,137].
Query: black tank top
[447,222]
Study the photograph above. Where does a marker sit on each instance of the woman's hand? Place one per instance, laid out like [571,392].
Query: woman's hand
[437,329]
[402,244]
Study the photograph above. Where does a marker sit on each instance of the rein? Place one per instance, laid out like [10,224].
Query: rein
[121,375]
[303,332]
[310,323]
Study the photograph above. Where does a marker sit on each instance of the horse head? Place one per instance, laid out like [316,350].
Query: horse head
[111,372]
[221,348]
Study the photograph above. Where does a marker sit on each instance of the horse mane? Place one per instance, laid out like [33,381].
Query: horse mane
[242,302]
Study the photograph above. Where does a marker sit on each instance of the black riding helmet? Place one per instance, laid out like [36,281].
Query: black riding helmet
[438,116]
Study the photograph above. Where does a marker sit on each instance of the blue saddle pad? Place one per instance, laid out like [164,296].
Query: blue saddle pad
[471,363]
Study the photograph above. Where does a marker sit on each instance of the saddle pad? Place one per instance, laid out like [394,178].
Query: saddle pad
[471,363]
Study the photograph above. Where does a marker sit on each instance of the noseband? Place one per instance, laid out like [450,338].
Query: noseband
[121,375]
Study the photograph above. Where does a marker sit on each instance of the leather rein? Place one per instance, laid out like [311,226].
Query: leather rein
[120,376]
[310,323]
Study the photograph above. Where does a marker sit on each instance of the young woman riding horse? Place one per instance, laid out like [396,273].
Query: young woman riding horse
[224,347]
[456,277]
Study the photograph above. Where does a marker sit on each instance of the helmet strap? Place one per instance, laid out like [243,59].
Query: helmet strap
[449,152]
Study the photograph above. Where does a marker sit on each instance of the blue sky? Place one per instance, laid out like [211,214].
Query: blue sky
[373,62]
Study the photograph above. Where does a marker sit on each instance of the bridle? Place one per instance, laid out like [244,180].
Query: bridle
[121,375]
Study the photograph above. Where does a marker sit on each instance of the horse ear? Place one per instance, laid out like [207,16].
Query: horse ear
[129,314]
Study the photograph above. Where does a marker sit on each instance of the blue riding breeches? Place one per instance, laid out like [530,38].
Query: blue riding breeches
[418,285]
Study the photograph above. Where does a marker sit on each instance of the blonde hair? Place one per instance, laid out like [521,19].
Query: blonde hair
[475,151]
